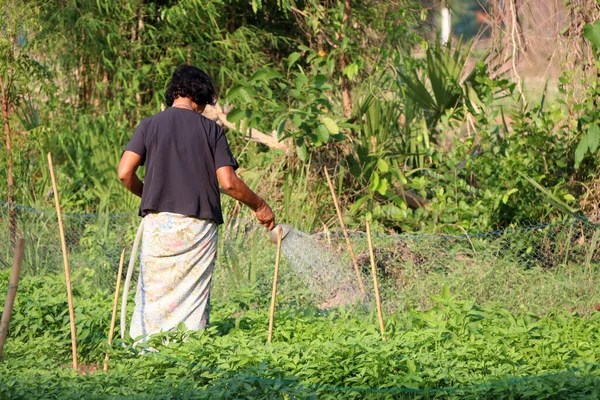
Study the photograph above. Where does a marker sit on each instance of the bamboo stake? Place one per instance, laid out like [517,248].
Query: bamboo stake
[66,263]
[590,254]
[339,214]
[114,311]
[13,283]
[274,294]
[375,284]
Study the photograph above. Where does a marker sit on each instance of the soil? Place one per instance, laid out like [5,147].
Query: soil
[85,369]
[340,299]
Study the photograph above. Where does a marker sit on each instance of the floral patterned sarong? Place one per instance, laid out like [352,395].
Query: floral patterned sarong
[176,266]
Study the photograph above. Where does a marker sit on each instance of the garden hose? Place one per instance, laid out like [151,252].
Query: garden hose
[134,251]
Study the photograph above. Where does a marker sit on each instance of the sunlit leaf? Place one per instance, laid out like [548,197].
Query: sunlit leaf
[331,125]
[234,116]
[593,138]
[592,33]
[323,133]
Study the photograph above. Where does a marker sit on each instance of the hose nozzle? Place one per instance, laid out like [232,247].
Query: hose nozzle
[285,230]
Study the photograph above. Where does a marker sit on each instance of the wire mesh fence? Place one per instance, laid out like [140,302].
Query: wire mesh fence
[92,240]
[406,262]
[98,239]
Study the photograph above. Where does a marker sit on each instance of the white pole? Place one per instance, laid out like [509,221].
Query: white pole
[445,20]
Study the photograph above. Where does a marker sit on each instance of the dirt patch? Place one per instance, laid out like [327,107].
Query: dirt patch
[85,369]
[340,299]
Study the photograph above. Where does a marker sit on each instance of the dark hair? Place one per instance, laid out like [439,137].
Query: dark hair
[192,82]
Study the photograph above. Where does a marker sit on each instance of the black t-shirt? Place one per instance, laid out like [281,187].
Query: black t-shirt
[182,151]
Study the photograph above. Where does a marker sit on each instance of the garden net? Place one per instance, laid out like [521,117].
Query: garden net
[95,242]
[543,267]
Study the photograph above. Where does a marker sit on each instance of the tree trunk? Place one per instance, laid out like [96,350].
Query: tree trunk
[140,27]
[519,26]
[517,47]
[346,97]
[11,195]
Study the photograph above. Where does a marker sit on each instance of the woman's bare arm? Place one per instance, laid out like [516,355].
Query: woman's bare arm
[127,172]
[237,189]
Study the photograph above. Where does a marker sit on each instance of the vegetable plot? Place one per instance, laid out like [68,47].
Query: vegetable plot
[455,350]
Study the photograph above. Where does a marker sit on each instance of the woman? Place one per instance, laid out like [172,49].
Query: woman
[186,156]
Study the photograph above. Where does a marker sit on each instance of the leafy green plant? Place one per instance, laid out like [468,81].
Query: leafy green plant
[470,351]
[304,115]
[382,146]
[589,121]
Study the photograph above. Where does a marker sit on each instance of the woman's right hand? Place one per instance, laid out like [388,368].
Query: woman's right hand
[265,216]
[236,188]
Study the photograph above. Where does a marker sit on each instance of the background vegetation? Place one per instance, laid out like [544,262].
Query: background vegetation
[416,133]
[496,129]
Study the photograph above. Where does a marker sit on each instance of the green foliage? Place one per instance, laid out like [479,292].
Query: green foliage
[454,350]
[382,145]
[404,130]
[592,33]
[303,115]
[425,126]
[440,89]
[538,144]
[589,111]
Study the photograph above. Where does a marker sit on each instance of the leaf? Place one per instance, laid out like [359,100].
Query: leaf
[358,204]
[569,197]
[351,70]
[580,151]
[320,81]
[301,149]
[300,81]
[558,203]
[296,120]
[374,182]
[592,33]
[446,293]
[323,133]
[593,138]
[410,365]
[331,126]
[382,166]
[507,195]
[234,92]
[383,187]
[295,56]
[265,73]
[281,125]
[234,116]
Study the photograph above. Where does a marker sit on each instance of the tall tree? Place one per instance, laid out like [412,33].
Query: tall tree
[17,24]
[346,97]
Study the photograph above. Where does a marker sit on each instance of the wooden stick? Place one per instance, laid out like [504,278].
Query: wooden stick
[339,214]
[13,283]
[114,311]
[274,294]
[66,263]
[591,251]
[375,284]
